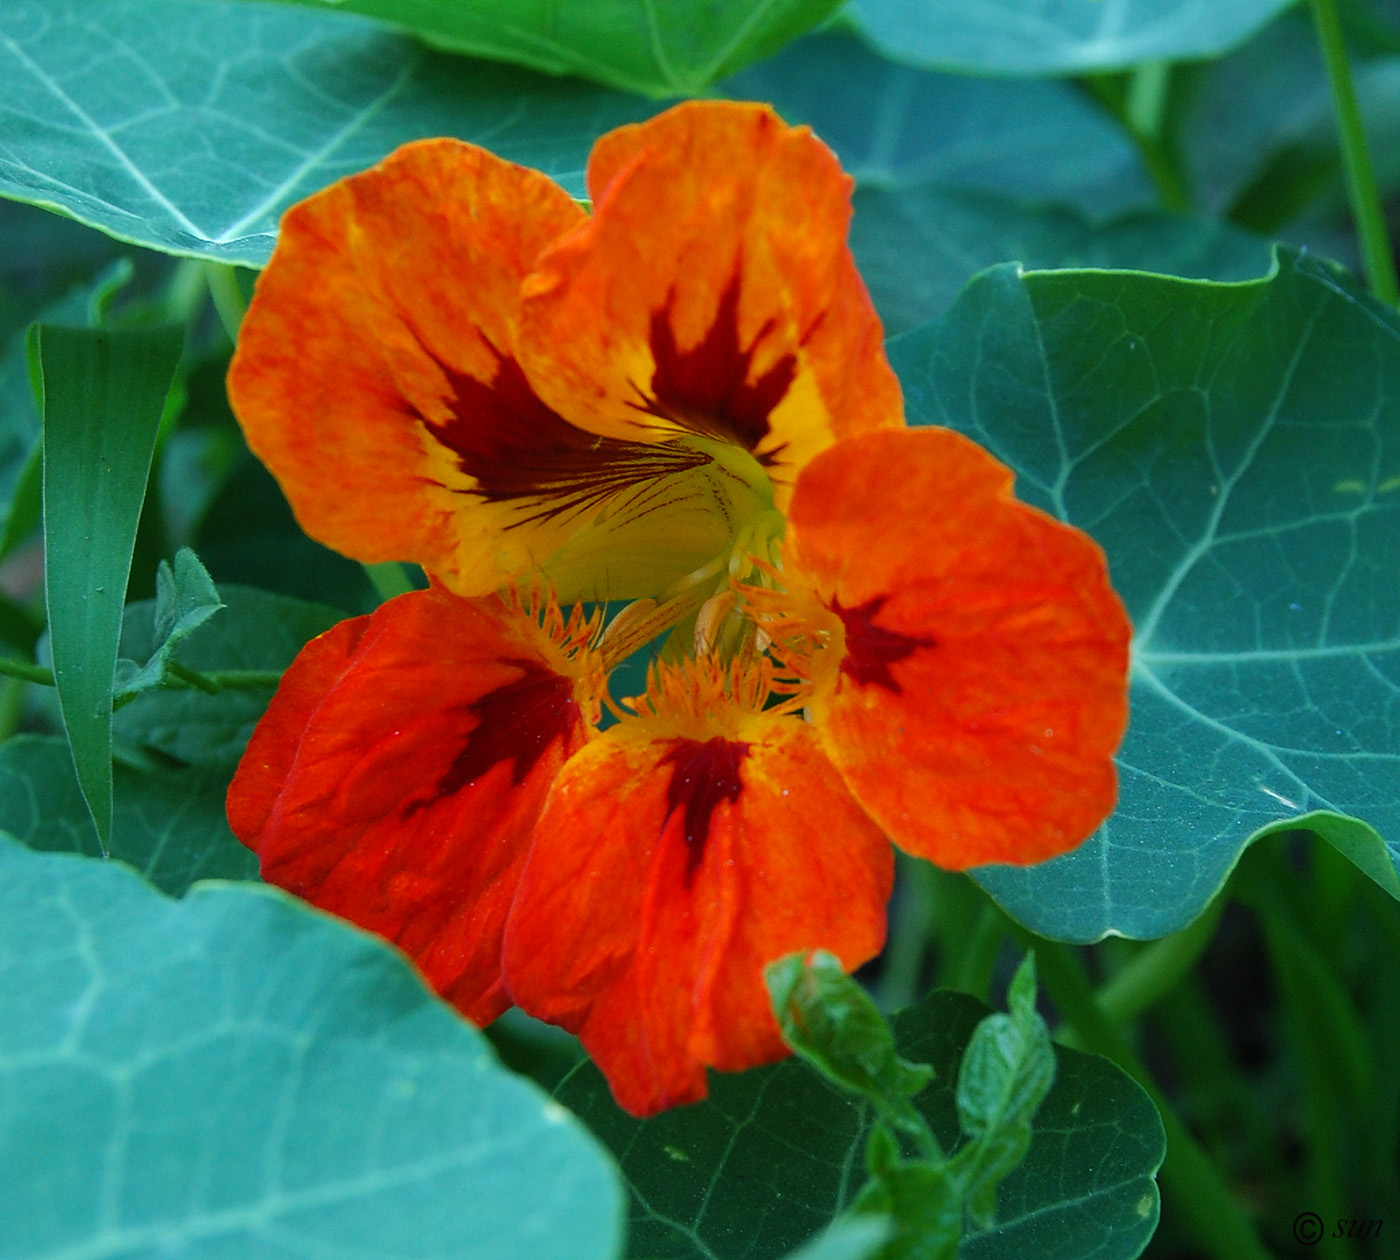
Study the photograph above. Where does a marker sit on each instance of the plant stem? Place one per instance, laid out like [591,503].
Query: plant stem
[1159,968]
[1338,1068]
[908,943]
[1198,1191]
[180,677]
[1146,101]
[1141,111]
[222,280]
[1366,208]
[29,672]
[389,578]
[972,972]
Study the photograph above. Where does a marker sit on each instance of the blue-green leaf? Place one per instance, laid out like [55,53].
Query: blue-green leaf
[893,126]
[235,1074]
[1236,450]
[190,125]
[1057,36]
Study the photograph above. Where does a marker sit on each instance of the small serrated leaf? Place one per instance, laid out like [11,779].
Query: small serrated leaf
[186,598]
[1006,1072]
[829,1019]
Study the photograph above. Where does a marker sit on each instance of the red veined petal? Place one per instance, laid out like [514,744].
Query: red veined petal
[377,376]
[397,776]
[666,873]
[983,686]
[712,291]
[272,749]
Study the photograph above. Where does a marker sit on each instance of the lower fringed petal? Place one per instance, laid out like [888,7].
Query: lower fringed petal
[666,873]
[981,686]
[397,776]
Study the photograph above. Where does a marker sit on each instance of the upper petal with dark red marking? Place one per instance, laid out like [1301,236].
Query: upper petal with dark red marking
[712,291]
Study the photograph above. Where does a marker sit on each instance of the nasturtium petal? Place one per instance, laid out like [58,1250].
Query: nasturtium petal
[400,770]
[984,653]
[712,291]
[667,871]
[376,372]
[235,1075]
[1235,448]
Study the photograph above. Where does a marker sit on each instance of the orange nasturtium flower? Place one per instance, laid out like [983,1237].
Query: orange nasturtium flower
[680,401]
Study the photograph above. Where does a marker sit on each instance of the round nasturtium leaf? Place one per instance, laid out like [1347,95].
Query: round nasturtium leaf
[774,1154]
[1235,448]
[189,125]
[1057,36]
[237,1075]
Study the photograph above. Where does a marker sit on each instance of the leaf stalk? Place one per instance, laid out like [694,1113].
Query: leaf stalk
[1377,260]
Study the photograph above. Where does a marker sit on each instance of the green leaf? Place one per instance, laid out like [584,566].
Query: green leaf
[675,48]
[830,1020]
[924,1202]
[917,246]
[20,424]
[1056,36]
[186,598]
[1007,1070]
[893,126]
[104,391]
[236,1074]
[189,125]
[256,631]
[169,824]
[1236,450]
[776,1153]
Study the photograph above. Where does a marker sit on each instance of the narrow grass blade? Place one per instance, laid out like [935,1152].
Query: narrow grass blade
[104,390]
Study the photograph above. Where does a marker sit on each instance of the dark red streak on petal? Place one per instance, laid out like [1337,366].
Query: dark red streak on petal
[516,722]
[871,649]
[515,447]
[706,389]
[703,775]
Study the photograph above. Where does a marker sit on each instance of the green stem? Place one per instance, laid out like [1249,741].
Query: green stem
[181,677]
[1338,1069]
[389,578]
[222,280]
[185,291]
[11,706]
[972,972]
[29,672]
[908,943]
[194,679]
[1199,1193]
[1366,208]
[1159,968]
[1145,104]
[1141,111]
